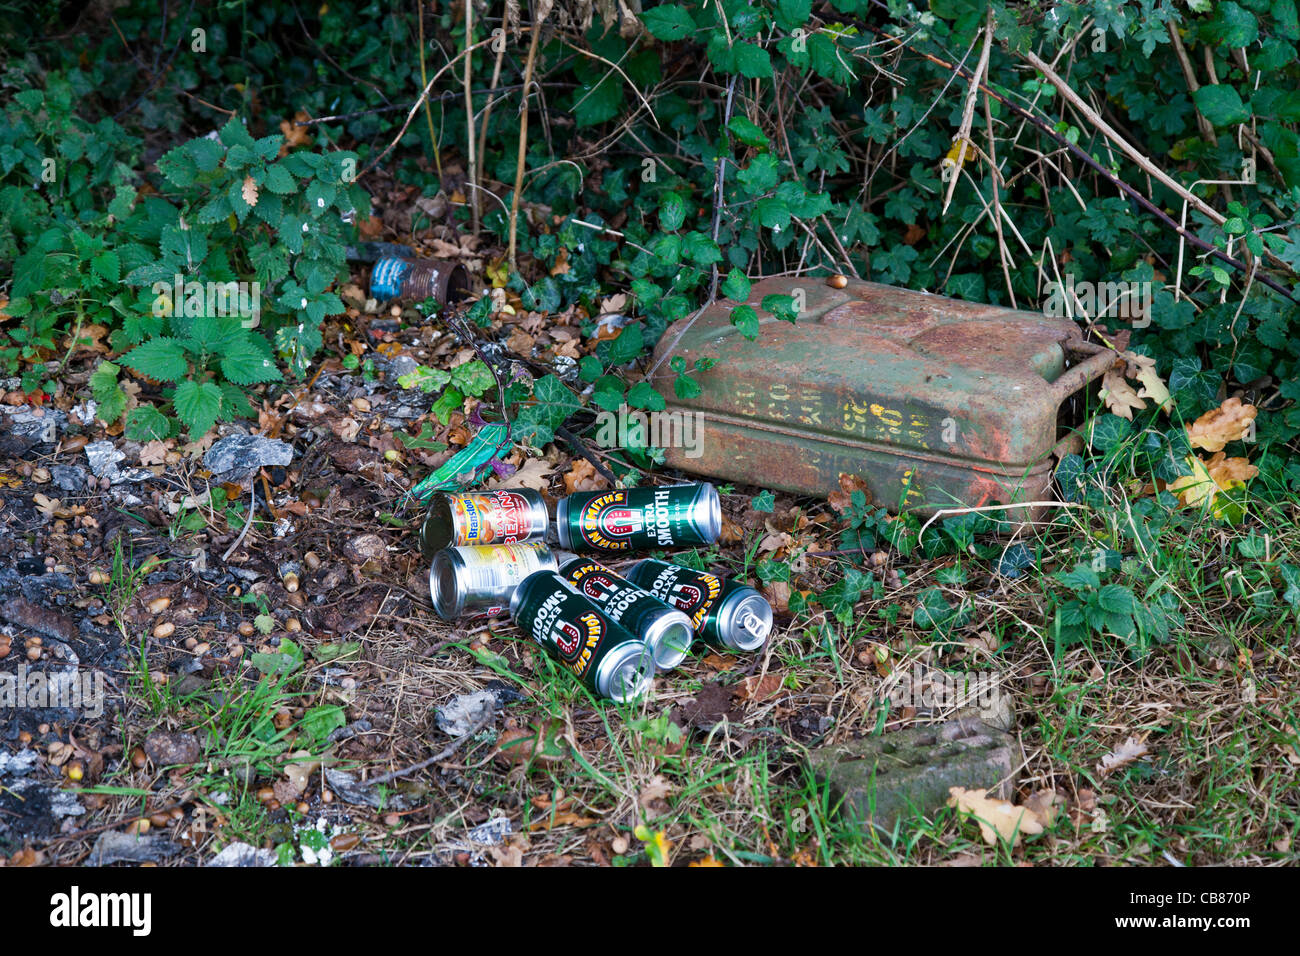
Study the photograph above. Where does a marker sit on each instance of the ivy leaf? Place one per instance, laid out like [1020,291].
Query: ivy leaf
[643,395]
[197,406]
[473,378]
[162,358]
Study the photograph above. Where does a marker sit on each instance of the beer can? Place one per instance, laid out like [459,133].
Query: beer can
[479,580]
[724,613]
[609,659]
[667,630]
[628,519]
[504,516]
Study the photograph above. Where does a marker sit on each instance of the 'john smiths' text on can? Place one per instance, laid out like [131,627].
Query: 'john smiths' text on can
[666,629]
[610,660]
[639,518]
[504,516]
[724,613]
[481,580]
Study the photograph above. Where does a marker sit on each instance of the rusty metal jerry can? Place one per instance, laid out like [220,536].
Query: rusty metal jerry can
[934,402]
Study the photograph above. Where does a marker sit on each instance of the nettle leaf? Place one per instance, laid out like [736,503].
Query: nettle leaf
[643,395]
[146,423]
[235,133]
[320,196]
[736,286]
[162,358]
[279,180]
[668,22]
[197,406]
[248,360]
[108,265]
[107,392]
[672,212]
[178,167]
[760,175]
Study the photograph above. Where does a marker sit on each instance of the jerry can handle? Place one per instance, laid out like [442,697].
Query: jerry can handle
[1077,376]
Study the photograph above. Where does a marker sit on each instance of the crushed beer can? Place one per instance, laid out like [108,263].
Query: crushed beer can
[667,630]
[479,580]
[609,659]
[504,516]
[629,519]
[724,613]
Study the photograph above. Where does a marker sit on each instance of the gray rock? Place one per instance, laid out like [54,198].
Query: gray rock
[114,846]
[241,854]
[365,548]
[166,749]
[70,478]
[457,718]
[882,780]
[244,454]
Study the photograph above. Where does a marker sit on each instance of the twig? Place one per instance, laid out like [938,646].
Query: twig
[529,64]
[252,509]
[968,110]
[447,751]
[474,204]
[719,180]
[428,109]
[487,110]
[578,445]
[949,512]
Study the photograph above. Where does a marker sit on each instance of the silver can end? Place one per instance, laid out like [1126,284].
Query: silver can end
[444,586]
[626,672]
[712,521]
[746,625]
[670,637]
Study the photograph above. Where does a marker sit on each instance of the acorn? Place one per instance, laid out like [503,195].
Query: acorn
[246,629]
[160,604]
[290,582]
[164,630]
[837,281]
[312,560]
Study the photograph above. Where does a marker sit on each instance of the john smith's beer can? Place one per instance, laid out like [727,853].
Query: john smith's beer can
[628,519]
[504,516]
[667,630]
[724,613]
[480,580]
[609,659]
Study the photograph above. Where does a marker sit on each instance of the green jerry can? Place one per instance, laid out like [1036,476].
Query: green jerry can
[935,402]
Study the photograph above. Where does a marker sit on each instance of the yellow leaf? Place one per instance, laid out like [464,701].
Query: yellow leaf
[1119,396]
[498,273]
[657,845]
[961,152]
[1231,421]
[997,818]
[1143,368]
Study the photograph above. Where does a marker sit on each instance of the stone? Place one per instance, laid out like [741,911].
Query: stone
[239,456]
[167,749]
[114,846]
[878,781]
[69,478]
[242,854]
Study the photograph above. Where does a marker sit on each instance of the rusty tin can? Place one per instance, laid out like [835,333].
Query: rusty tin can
[504,516]
[407,279]
[627,519]
[667,630]
[479,580]
[934,402]
[609,659]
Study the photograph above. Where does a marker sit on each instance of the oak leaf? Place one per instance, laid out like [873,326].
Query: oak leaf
[1231,421]
[1130,750]
[1119,395]
[996,817]
[249,191]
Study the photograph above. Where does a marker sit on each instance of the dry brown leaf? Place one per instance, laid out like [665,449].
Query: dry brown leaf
[1119,396]
[1044,805]
[535,473]
[249,191]
[154,453]
[731,532]
[707,861]
[1231,421]
[1230,472]
[1123,755]
[842,499]
[295,135]
[566,819]
[583,477]
[758,688]
[996,817]
[718,662]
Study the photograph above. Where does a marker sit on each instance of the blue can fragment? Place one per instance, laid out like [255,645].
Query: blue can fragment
[407,279]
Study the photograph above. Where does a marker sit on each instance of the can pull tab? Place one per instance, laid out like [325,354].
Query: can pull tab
[754,624]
